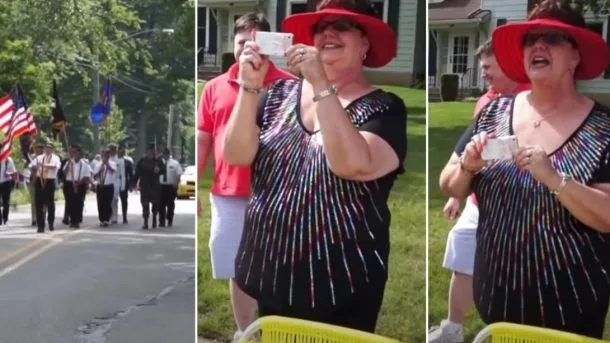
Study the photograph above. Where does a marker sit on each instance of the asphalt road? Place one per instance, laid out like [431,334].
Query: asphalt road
[119,284]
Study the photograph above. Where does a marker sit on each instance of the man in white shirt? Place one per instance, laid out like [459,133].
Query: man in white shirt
[77,176]
[7,173]
[105,174]
[169,181]
[45,167]
[118,181]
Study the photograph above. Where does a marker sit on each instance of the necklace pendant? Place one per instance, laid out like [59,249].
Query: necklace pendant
[537,123]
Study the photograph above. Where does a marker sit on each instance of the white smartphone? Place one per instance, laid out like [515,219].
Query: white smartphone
[501,148]
[273,43]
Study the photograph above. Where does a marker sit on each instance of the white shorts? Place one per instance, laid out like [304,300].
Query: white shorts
[462,241]
[225,235]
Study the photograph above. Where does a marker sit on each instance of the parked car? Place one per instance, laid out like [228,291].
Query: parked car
[186,188]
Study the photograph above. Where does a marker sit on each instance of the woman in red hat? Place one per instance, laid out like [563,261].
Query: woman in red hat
[543,243]
[325,152]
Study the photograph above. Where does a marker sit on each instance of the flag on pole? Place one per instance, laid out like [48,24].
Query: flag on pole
[102,109]
[15,121]
[107,97]
[59,120]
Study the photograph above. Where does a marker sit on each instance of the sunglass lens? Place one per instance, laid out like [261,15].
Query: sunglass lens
[337,25]
[549,38]
[342,25]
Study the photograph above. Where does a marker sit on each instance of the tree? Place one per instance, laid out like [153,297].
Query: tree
[148,72]
[596,7]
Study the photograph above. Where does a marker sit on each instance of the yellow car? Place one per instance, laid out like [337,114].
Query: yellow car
[186,188]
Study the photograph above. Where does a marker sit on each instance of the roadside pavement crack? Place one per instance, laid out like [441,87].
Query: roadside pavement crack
[95,331]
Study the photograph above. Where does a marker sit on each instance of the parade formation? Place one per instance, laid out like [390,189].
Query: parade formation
[110,175]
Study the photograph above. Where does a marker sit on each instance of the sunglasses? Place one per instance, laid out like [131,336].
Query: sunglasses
[341,25]
[550,38]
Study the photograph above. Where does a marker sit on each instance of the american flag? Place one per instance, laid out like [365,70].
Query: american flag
[15,120]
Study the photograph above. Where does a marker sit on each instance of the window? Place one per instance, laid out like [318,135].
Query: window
[381,9]
[297,6]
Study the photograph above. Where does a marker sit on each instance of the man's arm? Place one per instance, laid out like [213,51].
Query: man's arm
[54,163]
[205,127]
[204,147]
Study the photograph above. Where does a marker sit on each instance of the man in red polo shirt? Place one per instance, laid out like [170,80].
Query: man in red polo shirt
[231,184]
[461,242]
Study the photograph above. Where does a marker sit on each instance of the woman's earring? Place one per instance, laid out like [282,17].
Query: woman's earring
[364,56]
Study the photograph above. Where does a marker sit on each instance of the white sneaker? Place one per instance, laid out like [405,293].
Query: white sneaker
[447,332]
[237,337]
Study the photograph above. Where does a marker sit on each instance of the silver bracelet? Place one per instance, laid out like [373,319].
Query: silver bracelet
[325,93]
[248,89]
[564,182]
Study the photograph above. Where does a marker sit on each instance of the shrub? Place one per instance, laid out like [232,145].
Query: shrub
[227,61]
[449,87]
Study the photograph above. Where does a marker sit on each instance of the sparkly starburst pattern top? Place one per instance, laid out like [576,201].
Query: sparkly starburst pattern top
[536,263]
[312,240]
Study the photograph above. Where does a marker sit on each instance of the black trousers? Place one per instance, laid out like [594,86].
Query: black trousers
[105,193]
[5,197]
[45,198]
[168,203]
[76,202]
[123,195]
[146,209]
[66,189]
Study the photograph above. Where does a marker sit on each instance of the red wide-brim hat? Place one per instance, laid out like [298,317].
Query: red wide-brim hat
[507,43]
[383,47]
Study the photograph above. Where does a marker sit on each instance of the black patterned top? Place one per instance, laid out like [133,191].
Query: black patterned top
[535,263]
[313,241]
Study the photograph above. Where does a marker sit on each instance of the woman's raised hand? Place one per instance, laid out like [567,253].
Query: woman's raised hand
[471,159]
[252,66]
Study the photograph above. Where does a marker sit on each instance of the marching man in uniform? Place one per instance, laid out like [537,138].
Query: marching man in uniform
[45,167]
[61,178]
[118,181]
[76,177]
[127,176]
[169,181]
[105,174]
[147,174]
[30,177]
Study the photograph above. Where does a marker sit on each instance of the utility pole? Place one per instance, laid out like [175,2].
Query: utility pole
[170,127]
[96,98]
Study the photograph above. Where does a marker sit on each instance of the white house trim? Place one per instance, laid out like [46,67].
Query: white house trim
[446,23]
[207,30]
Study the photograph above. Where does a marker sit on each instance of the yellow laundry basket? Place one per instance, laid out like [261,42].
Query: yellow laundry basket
[275,329]
[516,333]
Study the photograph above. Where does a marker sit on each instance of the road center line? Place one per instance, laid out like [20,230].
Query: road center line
[60,237]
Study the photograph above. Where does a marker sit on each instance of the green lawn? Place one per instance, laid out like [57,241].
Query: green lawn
[404,308]
[447,121]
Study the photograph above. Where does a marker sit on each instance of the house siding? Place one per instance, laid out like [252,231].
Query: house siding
[516,10]
[407,28]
